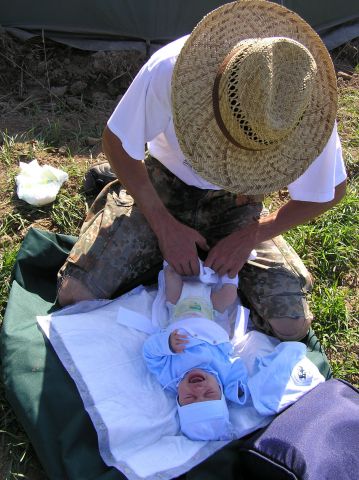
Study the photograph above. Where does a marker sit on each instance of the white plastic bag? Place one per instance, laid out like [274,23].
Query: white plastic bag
[39,185]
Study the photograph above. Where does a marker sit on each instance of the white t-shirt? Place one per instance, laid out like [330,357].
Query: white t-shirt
[144,116]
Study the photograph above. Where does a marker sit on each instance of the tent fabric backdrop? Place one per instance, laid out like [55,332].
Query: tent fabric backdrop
[151,21]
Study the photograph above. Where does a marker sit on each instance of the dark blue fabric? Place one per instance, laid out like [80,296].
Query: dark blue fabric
[317,438]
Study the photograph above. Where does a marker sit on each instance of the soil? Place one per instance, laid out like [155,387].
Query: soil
[46,85]
[65,95]
[43,83]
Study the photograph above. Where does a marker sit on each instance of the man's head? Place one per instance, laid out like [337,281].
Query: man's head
[253,97]
[202,408]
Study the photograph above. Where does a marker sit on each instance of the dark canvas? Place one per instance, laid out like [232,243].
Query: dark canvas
[316,438]
[148,20]
[44,397]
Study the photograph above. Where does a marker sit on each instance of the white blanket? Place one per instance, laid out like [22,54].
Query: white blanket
[100,344]
[135,419]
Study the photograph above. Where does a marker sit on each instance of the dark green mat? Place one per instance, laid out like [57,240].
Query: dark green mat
[42,394]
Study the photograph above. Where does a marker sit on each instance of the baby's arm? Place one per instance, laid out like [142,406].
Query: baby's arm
[226,295]
[158,357]
[174,284]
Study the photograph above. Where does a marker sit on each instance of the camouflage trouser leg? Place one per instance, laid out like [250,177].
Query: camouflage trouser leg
[275,285]
[117,248]
[276,282]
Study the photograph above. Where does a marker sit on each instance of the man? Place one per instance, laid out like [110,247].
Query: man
[242,107]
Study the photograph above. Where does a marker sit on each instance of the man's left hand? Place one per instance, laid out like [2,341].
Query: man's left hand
[230,254]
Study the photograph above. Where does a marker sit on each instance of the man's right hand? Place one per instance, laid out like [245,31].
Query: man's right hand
[178,244]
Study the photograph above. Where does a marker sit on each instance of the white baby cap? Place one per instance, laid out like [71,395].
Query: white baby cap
[206,420]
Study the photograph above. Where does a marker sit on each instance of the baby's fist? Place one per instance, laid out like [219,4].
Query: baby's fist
[178,341]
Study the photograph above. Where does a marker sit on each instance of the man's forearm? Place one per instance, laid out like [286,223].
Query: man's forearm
[230,253]
[290,215]
[177,242]
[133,175]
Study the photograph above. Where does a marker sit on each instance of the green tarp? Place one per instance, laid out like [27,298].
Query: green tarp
[41,392]
[151,21]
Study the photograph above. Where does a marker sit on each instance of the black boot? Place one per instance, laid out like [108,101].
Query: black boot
[97,177]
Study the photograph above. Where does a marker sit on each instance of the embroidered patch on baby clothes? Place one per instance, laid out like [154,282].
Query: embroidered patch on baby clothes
[302,375]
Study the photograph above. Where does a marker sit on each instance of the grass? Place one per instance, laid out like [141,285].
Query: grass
[65,215]
[6,263]
[16,455]
[328,246]
[6,149]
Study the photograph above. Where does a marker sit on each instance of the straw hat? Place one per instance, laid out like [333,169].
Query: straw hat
[253,97]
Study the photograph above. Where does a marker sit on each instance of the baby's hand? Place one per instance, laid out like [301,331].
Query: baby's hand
[178,341]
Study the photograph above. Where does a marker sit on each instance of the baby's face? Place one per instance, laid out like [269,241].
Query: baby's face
[198,386]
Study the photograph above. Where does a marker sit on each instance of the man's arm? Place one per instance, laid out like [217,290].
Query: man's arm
[177,242]
[230,253]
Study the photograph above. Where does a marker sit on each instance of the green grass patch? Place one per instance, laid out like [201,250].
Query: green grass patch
[329,245]
[67,213]
[7,261]
[16,453]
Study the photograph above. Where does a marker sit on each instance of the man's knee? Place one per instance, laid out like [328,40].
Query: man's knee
[284,328]
[290,329]
[72,290]
[285,315]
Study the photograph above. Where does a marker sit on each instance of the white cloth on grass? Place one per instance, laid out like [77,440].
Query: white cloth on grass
[39,185]
[104,358]
[100,344]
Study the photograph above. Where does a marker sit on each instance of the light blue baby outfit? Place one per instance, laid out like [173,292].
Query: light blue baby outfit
[208,348]
[278,379]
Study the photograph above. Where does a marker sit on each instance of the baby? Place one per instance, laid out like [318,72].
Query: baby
[191,357]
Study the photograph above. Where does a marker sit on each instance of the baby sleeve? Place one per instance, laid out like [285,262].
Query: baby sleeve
[235,385]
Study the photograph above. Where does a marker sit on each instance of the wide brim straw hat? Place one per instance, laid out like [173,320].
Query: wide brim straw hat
[254,97]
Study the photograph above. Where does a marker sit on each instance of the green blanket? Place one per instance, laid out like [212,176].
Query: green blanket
[41,392]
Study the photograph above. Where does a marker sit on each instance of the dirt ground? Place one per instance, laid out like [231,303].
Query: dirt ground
[47,86]
[44,83]
[65,95]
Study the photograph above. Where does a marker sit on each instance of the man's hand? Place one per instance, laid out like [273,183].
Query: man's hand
[230,254]
[178,341]
[178,244]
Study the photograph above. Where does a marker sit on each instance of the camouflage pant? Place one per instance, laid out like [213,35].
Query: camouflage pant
[117,249]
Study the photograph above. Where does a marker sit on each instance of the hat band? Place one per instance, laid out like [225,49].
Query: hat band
[216,110]
[246,129]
